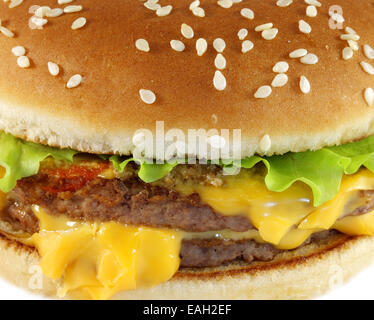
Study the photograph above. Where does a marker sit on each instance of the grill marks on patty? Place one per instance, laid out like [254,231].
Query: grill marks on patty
[130,202]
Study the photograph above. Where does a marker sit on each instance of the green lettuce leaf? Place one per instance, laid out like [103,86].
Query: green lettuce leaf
[321,170]
[153,172]
[148,172]
[22,159]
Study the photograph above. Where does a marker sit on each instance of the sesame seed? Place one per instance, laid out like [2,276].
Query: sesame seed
[39,22]
[298,53]
[187,31]
[60,2]
[164,11]
[19,51]
[150,2]
[71,9]
[247,13]
[142,45]
[247,45]
[310,58]
[219,45]
[304,27]
[279,80]
[198,12]
[263,92]
[350,36]
[14,3]
[177,45]
[263,27]
[369,52]
[369,96]
[53,13]
[313,3]
[219,81]
[353,45]
[147,96]
[367,67]
[194,4]
[214,118]
[23,62]
[42,11]
[201,46]
[281,67]
[350,30]
[269,34]
[242,34]
[74,81]
[79,23]
[6,32]
[284,3]
[265,143]
[152,5]
[53,68]
[311,11]
[220,61]
[347,53]
[225,3]
[304,85]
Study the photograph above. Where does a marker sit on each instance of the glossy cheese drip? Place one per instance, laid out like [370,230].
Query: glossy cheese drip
[288,218]
[98,260]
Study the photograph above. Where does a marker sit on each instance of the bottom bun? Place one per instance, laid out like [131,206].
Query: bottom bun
[304,273]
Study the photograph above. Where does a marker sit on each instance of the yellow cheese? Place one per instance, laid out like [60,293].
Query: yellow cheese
[273,214]
[356,225]
[100,259]
[97,260]
[284,219]
[325,216]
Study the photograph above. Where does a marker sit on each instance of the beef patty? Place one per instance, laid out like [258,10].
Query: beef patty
[130,202]
[134,202]
[215,252]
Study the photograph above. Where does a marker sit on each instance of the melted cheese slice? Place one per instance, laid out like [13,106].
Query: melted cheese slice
[97,260]
[288,218]
[100,259]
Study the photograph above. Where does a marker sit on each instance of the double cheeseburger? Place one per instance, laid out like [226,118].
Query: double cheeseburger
[86,84]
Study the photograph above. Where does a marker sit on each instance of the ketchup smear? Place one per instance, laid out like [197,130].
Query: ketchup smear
[72,178]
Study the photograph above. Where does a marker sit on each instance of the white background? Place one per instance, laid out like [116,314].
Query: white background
[360,287]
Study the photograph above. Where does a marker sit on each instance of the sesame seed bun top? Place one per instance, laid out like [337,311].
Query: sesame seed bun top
[91,83]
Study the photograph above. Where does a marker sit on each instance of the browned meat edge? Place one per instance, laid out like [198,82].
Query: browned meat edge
[130,202]
[215,252]
[136,203]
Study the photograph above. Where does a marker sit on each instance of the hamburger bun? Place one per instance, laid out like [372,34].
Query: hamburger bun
[103,112]
[304,273]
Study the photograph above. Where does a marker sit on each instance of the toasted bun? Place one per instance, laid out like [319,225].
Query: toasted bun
[300,274]
[101,115]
